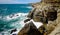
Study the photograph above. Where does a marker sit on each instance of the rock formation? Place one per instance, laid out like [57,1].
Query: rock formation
[47,12]
[26,20]
[29,29]
[14,30]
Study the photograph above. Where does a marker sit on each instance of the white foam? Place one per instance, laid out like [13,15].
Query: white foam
[13,16]
[29,7]
[22,25]
[18,29]
[21,22]
[37,24]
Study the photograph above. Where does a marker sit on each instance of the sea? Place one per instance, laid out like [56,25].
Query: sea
[12,16]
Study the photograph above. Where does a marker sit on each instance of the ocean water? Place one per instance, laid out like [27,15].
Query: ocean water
[12,17]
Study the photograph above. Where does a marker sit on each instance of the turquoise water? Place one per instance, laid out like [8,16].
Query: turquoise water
[6,9]
[11,15]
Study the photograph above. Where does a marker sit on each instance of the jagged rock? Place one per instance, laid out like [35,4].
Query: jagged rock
[26,20]
[42,30]
[55,25]
[30,15]
[29,29]
[14,30]
[47,12]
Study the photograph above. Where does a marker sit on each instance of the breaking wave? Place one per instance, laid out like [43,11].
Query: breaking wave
[13,21]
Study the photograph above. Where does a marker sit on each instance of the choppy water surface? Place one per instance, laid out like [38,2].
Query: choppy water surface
[12,16]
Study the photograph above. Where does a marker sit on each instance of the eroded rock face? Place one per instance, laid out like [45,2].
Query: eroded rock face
[29,29]
[43,14]
[48,13]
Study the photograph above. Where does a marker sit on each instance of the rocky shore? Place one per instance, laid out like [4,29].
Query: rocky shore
[47,12]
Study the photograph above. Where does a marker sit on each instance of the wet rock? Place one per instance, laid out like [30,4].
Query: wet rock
[26,20]
[29,29]
[14,30]
[14,34]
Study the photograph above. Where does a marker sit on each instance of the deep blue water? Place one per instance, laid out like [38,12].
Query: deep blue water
[7,21]
[14,8]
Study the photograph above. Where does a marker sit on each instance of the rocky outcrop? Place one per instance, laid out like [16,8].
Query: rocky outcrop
[47,12]
[29,29]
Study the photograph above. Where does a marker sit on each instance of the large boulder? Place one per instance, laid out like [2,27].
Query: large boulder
[29,29]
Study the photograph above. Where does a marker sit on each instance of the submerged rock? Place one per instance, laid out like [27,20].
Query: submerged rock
[29,29]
